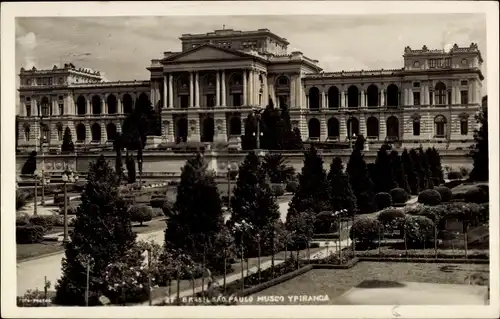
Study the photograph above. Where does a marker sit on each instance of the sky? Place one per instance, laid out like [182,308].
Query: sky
[122,47]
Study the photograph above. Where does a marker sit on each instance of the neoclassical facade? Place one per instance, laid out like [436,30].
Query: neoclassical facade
[205,91]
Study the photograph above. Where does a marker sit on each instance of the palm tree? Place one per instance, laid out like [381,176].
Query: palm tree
[275,165]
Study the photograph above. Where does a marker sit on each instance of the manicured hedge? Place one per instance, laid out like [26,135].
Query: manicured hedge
[141,213]
[429,197]
[292,186]
[366,230]
[390,218]
[445,192]
[29,234]
[382,200]
[47,222]
[478,194]
[399,196]
[418,230]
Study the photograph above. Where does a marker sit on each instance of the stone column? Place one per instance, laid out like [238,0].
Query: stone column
[473,94]
[191,89]
[171,128]
[197,88]
[293,91]
[171,90]
[165,92]
[363,99]
[245,102]
[382,97]
[104,105]
[265,90]
[223,89]
[362,124]
[217,89]
[343,127]
[88,105]
[250,87]
[323,99]
[104,134]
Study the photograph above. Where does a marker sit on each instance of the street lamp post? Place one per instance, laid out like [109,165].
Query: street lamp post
[41,141]
[67,176]
[258,134]
[36,174]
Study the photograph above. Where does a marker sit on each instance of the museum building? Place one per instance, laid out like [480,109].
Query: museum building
[205,92]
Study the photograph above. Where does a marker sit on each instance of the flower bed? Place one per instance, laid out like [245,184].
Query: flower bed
[422,253]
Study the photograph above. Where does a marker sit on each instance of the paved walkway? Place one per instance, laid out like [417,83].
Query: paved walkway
[235,276]
[42,210]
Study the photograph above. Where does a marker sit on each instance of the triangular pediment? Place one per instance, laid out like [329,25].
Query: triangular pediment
[206,52]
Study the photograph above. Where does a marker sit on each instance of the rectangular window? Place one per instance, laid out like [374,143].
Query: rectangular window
[464,97]
[416,98]
[464,82]
[61,97]
[184,101]
[416,127]
[28,109]
[449,97]
[236,99]
[464,127]
[61,109]
[431,98]
[28,99]
[210,100]
[447,62]
[416,84]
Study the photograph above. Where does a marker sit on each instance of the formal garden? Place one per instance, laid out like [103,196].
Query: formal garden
[402,218]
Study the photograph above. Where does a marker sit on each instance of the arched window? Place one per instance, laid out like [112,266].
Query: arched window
[128,104]
[464,126]
[392,95]
[45,132]
[314,98]
[112,104]
[81,132]
[111,131]
[333,98]
[208,130]
[352,127]
[440,92]
[314,128]
[372,127]
[27,133]
[440,126]
[282,91]
[28,110]
[372,96]
[235,126]
[333,128]
[353,96]
[96,132]
[45,105]
[96,105]
[416,126]
[392,128]
[81,105]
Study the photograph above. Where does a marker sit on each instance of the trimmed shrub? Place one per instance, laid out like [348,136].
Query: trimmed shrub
[22,220]
[382,200]
[366,230]
[21,198]
[429,197]
[419,230]
[141,213]
[399,196]
[292,186]
[46,221]
[277,190]
[445,192]
[29,234]
[455,175]
[167,208]
[477,195]
[390,218]
[325,223]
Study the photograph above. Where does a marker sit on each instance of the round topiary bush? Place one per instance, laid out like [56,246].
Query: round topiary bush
[365,230]
[399,196]
[477,195]
[141,213]
[429,197]
[382,200]
[47,222]
[418,230]
[292,186]
[445,192]
[168,208]
[390,218]
[455,175]
[277,190]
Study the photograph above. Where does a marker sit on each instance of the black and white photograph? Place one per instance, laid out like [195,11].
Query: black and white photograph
[204,156]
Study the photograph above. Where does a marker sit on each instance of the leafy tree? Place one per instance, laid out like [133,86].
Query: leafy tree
[435,166]
[291,136]
[411,172]
[193,228]
[67,144]
[130,169]
[384,178]
[301,228]
[426,171]
[423,176]
[341,194]
[361,184]
[479,152]
[275,166]
[102,235]
[254,202]
[143,121]
[399,172]
[118,146]
[248,140]
[360,143]
[29,166]
[313,187]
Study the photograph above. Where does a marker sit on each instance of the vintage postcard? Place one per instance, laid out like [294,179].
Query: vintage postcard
[250,159]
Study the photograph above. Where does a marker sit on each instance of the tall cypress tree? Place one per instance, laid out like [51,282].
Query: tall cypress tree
[360,181]
[341,194]
[102,234]
[479,152]
[384,180]
[253,202]
[435,166]
[198,219]
[313,190]
[67,144]
[398,172]
[426,170]
[411,172]
[131,173]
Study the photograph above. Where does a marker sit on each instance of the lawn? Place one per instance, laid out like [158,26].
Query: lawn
[39,249]
[334,282]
